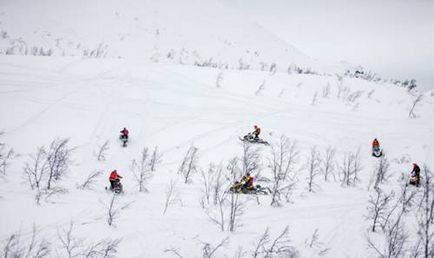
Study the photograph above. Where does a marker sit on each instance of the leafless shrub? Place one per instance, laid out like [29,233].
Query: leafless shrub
[90,180]
[226,209]
[370,93]
[378,206]
[102,150]
[350,168]
[58,158]
[113,210]
[174,251]
[314,98]
[219,80]
[411,113]
[314,243]
[426,211]
[15,248]
[395,241]
[236,208]
[313,168]
[284,156]
[73,246]
[189,164]
[352,97]
[171,196]
[380,174]
[273,68]
[328,164]
[36,169]
[273,248]
[6,155]
[212,183]
[260,88]
[155,159]
[250,159]
[142,170]
[208,250]
[326,91]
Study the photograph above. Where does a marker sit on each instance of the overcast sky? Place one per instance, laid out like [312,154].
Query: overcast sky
[394,38]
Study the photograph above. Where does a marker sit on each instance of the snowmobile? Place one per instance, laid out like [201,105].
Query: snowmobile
[414,180]
[377,152]
[238,188]
[124,140]
[117,188]
[250,137]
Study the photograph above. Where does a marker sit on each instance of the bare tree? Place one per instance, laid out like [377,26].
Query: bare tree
[411,113]
[260,88]
[314,243]
[278,247]
[102,150]
[250,159]
[15,248]
[208,250]
[36,169]
[171,195]
[211,184]
[6,155]
[113,210]
[236,208]
[426,210]
[284,156]
[350,168]
[226,209]
[380,174]
[155,159]
[313,168]
[328,164]
[189,164]
[326,91]
[142,170]
[90,180]
[58,158]
[314,98]
[396,239]
[219,80]
[174,251]
[378,205]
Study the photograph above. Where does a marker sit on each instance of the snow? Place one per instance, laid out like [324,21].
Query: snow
[173,106]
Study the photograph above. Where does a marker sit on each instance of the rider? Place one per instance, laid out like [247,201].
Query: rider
[247,181]
[124,133]
[256,132]
[415,173]
[375,145]
[114,178]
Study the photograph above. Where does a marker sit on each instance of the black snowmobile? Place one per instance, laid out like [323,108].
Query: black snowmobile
[240,188]
[377,152]
[117,187]
[124,140]
[250,137]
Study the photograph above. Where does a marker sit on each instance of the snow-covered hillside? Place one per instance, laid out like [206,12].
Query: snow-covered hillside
[162,31]
[176,108]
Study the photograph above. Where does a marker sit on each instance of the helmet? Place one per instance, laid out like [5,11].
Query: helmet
[255,126]
[414,164]
[248,174]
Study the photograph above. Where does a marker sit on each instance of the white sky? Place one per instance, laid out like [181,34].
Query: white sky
[394,38]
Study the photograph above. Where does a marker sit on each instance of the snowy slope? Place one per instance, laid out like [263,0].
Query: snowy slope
[163,31]
[172,107]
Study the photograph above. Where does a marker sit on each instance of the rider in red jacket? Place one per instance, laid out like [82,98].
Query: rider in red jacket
[114,178]
[124,133]
[257,131]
